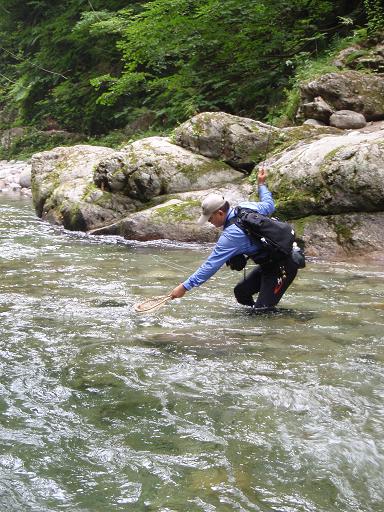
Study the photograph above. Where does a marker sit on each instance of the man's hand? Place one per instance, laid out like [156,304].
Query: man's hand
[178,292]
[261,176]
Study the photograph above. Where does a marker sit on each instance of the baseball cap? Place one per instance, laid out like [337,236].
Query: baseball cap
[210,205]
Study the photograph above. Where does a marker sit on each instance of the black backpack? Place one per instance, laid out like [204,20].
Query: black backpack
[276,236]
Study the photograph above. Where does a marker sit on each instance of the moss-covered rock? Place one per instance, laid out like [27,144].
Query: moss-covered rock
[349,90]
[239,141]
[84,187]
[61,180]
[369,55]
[331,184]
[175,218]
[154,166]
[333,174]
[340,236]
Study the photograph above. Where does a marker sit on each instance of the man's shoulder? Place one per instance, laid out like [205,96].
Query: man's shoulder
[232,231]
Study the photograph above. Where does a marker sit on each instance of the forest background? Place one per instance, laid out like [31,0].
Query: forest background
[107,69]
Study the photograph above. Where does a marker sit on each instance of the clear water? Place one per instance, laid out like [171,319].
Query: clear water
[199,407]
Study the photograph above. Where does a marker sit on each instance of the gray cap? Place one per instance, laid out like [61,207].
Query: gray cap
[210,205]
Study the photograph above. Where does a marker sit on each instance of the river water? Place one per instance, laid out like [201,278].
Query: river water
[198,407]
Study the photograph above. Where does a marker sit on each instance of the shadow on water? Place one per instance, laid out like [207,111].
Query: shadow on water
[300,315]
[109,304]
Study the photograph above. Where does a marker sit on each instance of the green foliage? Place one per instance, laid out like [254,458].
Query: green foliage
[33,141]
[183,57]
[308,68]
[375,15]
[93,66]
[50,57]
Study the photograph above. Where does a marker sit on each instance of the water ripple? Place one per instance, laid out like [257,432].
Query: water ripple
[200,406]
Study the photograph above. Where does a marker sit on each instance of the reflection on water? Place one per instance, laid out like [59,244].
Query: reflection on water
[198,407]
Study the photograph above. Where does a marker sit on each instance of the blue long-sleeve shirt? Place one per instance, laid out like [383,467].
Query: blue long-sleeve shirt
[232,241]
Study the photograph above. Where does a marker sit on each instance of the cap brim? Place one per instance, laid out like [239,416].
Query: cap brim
[203,219]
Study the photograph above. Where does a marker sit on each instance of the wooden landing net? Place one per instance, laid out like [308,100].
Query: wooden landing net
[151,304]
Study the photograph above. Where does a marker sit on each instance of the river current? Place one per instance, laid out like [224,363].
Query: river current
[197,407]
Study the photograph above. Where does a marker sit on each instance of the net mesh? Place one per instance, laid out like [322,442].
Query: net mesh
[151,304]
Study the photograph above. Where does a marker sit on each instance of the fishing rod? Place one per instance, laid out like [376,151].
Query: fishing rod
[267,145]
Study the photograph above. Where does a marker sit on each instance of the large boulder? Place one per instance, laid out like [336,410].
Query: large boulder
[63,190]
[85,187]
[338,236]
[154,166]
[175,218]
[239,141]
[348,90]
[335,174]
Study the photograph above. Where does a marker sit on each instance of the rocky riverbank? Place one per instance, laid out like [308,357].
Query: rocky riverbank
[327,181]
[15,177]
[326,174]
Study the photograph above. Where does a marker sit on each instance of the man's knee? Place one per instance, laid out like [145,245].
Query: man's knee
[242,296]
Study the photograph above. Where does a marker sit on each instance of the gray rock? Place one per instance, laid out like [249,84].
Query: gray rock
[62,180]
[175,218]
[338,236]
[349,90]
[331,180]
[25,178]
[317,109]
[313,122]
[84,187]
[11,173]
[347,120]
[358,57]
[346,55]
[335,174]
[236,140]
[154,166]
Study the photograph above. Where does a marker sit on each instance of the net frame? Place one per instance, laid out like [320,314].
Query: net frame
[151,304]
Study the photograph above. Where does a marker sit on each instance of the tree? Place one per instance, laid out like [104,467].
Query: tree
[94,65]
[50,57]
[184,56]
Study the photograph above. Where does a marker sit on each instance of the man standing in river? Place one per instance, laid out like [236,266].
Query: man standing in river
[270,280]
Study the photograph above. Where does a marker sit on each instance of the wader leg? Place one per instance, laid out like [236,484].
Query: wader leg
[247,287]
[274,283]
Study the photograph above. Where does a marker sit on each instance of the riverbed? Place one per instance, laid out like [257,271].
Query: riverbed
[200,406]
